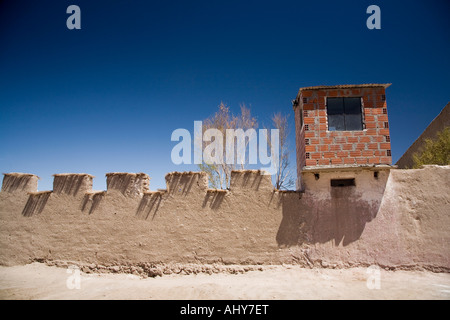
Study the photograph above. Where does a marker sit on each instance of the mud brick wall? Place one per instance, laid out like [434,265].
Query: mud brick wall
[388,219]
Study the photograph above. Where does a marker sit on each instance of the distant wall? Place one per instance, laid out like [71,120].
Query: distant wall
[439,123]
[399,219]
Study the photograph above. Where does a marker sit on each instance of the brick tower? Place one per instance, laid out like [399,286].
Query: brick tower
[343,126]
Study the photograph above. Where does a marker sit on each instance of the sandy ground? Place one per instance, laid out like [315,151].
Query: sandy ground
[39,281]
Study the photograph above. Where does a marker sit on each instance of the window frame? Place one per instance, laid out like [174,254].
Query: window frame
[361,102]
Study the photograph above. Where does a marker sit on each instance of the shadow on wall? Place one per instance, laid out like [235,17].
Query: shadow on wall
[181,183]
[129,184]
[69,184]
[13,182]
[120,182]
[290,231]
[94,199]
[36,203]
[343,216]
[215,198]
[248,182]
[319,215]
[150,201]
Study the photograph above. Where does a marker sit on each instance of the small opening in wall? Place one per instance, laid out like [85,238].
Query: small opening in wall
[375,174]
[386,125]
[388,139]
[317,176]
[307,142]
[384,111]
[308,155]
[342,182]
[305,100]
[383,97]
[306,127]
[388,153]
[305,113]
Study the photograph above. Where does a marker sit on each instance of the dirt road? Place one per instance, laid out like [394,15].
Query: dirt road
[39,281]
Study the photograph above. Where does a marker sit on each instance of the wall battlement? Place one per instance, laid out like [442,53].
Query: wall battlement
[134,184]
[72,183]
[19,182]
[129,184]
[386,218]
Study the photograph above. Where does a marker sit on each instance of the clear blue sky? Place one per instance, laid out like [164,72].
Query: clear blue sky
[107,97]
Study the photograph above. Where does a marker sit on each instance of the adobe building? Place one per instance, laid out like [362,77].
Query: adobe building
[352,209]
[343,130]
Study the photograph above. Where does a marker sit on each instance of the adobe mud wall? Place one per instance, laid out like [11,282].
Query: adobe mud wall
[399,219]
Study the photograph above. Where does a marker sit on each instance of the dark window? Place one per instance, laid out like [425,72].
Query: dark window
[344,114]
[342,182]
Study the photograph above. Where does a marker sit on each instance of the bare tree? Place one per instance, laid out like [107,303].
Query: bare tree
[283,176]
[220,173]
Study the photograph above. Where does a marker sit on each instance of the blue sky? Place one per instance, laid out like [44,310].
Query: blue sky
[107,97]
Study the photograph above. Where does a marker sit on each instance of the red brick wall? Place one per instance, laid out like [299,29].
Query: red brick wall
[300,149]
[317,146]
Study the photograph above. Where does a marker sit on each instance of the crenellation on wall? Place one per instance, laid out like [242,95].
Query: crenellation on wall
[128,184]
[73,184]
[250,181]
[214,198]
[20,182]
[183,183]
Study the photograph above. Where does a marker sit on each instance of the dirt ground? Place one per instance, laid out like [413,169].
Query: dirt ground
[39,281]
